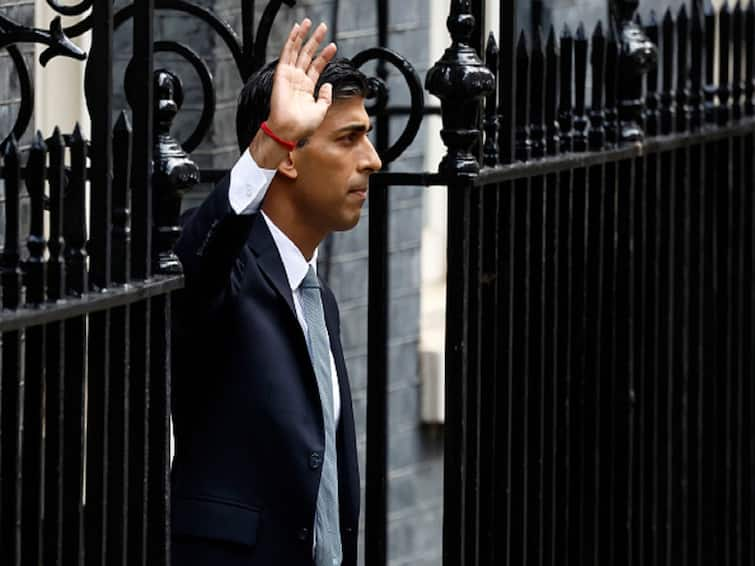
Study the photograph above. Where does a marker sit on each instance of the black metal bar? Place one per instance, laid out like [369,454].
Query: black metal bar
[565,116]
[552,129]
[724,61]
[139,431]
[12,424]
[118,433]
[737,84]
[74,232]
[457,299]
[653,99]
[579,140]
[749,40]
[508,34]
[710,88]
[491,123]
[537,96]
[683,109]
[55,457]
[612,125]
[597,134]
[141,176]
[376,494]
[98,331]
[33,447]
[576,160]
[158,498]
[697,45]
[101,67]
[523,147]
[377,336]
[668,97]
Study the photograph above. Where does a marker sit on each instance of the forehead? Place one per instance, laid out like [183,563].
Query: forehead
[345,112]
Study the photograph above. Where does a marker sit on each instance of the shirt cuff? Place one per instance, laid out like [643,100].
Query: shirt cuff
[249,183]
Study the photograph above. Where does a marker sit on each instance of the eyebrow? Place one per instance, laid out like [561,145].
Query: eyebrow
[354,128]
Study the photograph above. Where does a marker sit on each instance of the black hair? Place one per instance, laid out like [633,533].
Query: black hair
[254,99]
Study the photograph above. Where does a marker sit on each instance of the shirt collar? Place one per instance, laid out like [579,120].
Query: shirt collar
[294,264]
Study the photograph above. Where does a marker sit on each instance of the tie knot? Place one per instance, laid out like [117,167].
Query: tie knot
[310,280]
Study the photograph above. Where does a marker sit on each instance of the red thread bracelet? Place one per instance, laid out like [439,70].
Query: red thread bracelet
[290,146]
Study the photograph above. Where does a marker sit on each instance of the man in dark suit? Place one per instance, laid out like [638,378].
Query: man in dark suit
[265,469]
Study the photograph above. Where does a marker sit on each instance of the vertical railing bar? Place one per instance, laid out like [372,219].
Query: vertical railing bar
[101,65]
[74,231]
[536,291]
[506,96]
[33,446]
[118,434]
[158,498]
[55,457]
[12,365]
[141,268]
[490,394]
[99,246]
[739,333]
[377,345]
[141,176]
[139,432]
[551,294]
[247,34]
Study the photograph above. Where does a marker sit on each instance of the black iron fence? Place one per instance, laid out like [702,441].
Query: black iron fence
[600,291]
[599,338]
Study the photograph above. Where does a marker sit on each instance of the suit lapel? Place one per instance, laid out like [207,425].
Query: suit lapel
[263,246]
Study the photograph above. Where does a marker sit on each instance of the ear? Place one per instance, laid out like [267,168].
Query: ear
[287,168]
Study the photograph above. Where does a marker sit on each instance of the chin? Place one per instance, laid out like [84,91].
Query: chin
[348,222]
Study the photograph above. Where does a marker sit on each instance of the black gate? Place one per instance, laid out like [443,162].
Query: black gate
[600,289]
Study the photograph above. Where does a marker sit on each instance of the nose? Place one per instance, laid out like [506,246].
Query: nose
[370,161]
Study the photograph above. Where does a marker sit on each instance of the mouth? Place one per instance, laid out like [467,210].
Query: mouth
[360,192]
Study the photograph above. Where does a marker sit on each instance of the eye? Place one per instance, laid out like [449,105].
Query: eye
[348,138]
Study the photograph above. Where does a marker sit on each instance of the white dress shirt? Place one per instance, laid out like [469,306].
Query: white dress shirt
[249,183]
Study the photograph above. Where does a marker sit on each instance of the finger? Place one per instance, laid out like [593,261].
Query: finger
[306,54]
[303,31]
[325,56]
[286,50]
[325,95]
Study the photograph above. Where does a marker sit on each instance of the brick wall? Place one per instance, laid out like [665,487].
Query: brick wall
[21,11]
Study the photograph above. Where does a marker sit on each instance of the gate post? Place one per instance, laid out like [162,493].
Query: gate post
[460,80]
[637,55]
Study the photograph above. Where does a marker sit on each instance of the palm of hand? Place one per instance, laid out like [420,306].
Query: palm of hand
[293,102]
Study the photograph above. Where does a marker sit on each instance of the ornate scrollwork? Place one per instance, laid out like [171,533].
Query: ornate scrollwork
[75,10]
[58,44]
[380,94]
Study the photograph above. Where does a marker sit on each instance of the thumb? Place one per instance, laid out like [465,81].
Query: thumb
[325,95]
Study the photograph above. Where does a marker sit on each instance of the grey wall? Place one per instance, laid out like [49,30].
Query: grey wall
[22,12]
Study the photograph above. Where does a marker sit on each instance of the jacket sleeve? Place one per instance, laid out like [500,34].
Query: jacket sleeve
[212,238]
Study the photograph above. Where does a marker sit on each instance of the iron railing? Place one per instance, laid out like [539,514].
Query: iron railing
[599,367]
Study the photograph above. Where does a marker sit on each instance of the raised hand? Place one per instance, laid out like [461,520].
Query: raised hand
[294,112]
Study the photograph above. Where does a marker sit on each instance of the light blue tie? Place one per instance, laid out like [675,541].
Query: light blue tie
[327,531]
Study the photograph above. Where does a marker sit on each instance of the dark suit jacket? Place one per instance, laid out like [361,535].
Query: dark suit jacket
[248,422]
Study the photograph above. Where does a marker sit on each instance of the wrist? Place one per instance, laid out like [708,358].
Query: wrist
[266,152]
